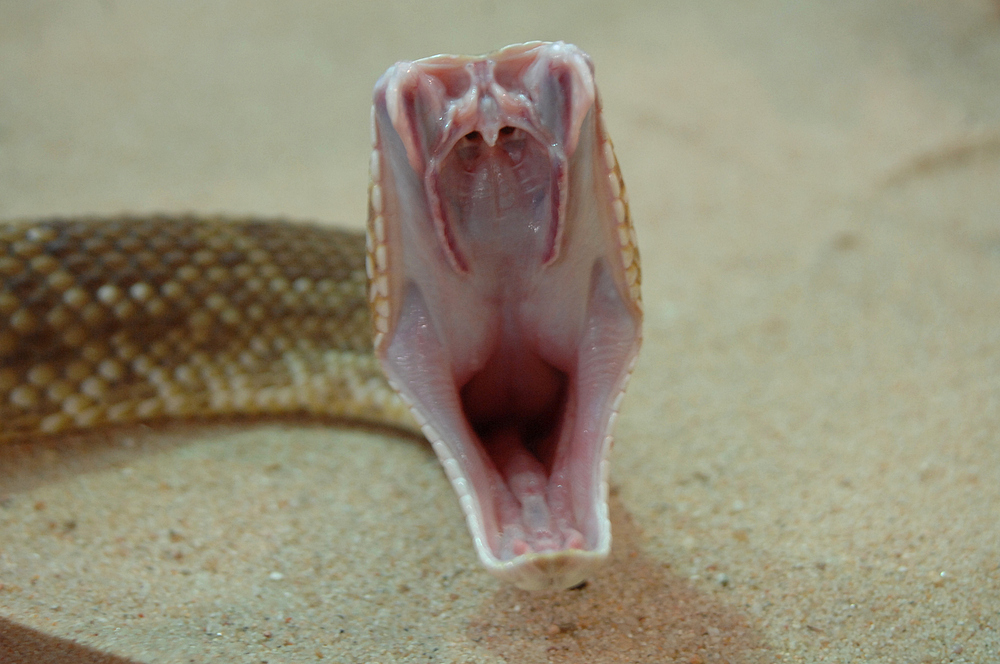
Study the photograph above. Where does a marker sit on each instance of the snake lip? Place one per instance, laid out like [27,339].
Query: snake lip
[510,320]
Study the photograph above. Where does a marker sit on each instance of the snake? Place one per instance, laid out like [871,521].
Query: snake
[493,305]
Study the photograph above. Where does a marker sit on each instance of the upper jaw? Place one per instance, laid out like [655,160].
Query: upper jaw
[505,296]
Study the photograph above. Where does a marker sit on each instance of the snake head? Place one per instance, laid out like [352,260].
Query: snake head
[504,287]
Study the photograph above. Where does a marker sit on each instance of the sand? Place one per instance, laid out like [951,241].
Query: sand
[808,462]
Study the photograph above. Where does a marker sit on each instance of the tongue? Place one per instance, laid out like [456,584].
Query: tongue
[534,514]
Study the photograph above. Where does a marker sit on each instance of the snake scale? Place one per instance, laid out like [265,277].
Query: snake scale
[119,320]
[493,305]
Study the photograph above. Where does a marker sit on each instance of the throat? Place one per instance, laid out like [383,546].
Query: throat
[520,409]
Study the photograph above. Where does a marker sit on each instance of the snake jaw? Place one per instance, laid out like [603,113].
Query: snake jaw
[504,289]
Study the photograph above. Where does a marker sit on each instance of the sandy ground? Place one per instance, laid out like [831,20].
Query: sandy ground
[808,466]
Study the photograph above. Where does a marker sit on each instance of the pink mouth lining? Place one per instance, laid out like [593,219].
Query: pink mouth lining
[511,326]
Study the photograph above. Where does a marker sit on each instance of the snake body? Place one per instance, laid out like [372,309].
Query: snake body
[497,290]
[106,321]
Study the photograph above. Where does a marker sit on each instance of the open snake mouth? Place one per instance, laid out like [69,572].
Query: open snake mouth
[505,293]
[518,414]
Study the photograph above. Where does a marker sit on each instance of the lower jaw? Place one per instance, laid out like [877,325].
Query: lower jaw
[543,521]
[551,570]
